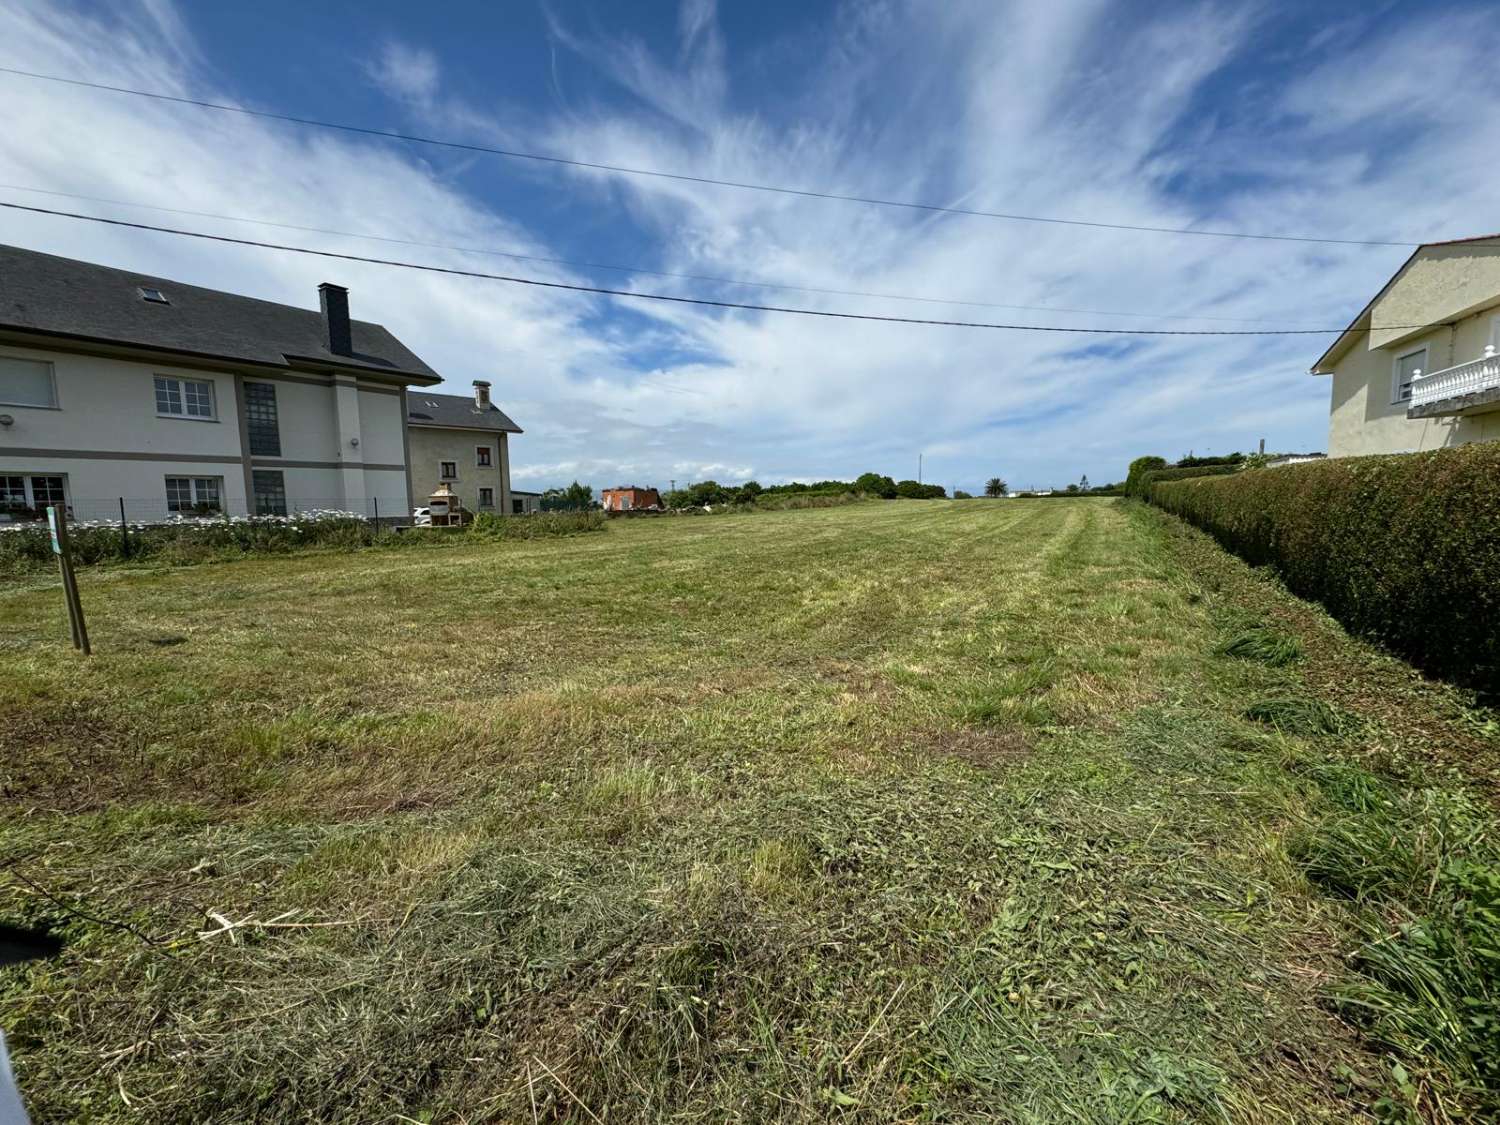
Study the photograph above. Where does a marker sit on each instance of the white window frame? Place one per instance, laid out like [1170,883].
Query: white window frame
[28,490]
[51,379]
[444,474]
[484,457]
[181,382]
[1396,399]
[1494,340]
[196,494]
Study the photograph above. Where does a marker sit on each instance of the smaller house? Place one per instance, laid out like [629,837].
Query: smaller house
[462,443]
[525,503]
[630,498]
[1419,367]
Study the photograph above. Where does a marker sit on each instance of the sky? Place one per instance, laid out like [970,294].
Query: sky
[1336,120]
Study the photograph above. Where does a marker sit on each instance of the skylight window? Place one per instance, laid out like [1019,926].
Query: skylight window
[155,296]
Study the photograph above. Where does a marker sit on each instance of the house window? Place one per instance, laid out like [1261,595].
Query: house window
[448,470]
[269,486]
[261,425]
[482,456]
[184,398]
[31,493]
[27,382]
[47,490]
[1408,367]
[486,497]
[193,494]
[12,493]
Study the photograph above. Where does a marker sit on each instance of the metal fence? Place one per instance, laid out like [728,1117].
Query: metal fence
[142,511]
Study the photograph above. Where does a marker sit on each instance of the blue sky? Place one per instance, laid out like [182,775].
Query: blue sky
[1335,119]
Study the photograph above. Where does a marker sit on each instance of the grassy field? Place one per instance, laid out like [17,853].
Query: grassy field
[905,811]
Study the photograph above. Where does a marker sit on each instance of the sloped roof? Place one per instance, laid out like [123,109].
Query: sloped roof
[455,412]
[84,301]
[1346,337]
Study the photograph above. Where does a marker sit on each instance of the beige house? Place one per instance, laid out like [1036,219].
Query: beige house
[1419,368]
[461,442]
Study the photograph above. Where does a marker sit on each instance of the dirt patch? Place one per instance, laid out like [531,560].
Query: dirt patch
[983,749]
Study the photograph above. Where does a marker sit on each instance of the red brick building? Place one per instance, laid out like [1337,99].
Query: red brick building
[632,499]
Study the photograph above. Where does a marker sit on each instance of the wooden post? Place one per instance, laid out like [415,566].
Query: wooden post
[377,516]
[57,521]
[124,532]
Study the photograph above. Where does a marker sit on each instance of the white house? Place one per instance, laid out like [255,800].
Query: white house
[116,386]
[1418,367]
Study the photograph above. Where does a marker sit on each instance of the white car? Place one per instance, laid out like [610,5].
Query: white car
[421,517]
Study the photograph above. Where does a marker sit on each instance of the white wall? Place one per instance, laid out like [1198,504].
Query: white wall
[106,438]
[1362,417]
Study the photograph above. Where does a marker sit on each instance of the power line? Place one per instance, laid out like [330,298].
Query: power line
[602,291]
[518,256]
[516,154]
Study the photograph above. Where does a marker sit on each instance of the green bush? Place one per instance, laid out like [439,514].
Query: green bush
[1403,548]
[1139,468]
[487,525]
[1181,472]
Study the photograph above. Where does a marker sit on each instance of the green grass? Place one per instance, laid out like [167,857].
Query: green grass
[893,812]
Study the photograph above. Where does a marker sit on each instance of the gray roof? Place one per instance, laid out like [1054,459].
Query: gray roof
[455,412]
[81,300]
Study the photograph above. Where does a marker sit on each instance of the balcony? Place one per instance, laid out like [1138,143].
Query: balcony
[1469,388]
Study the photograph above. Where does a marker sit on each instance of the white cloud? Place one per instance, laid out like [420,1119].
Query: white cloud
[406,72]
[1062,109]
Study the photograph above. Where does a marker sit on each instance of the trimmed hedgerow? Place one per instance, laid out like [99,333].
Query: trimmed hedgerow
[1404,548]
[1183,472]
[1138,469]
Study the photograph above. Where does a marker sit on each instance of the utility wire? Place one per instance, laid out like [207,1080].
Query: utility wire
[516,154]
[622,269]
[454,272]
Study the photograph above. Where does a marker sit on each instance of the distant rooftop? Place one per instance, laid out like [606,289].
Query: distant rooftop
[455,412]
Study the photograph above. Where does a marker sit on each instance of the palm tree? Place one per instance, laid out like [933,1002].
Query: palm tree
[994,487]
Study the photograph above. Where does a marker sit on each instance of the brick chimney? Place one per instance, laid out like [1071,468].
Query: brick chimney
[481,394]
[335,302]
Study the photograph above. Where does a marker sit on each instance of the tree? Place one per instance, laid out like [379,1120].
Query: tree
[874,484]
[1083,485]
[575,498]
[1071,488]
[995,487]
[960,494]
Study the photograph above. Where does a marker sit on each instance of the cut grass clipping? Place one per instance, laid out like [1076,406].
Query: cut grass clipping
[1265,645]
[1296,715]
[1421,868]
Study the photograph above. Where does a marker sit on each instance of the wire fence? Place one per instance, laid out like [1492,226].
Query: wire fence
[144,512]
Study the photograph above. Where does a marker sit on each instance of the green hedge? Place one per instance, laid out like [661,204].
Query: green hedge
[1404,548]
[1184,473]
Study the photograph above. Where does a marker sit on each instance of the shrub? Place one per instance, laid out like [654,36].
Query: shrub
[1403,548]
[1195,462]
[488,525]
[1182,472]
[1139,468]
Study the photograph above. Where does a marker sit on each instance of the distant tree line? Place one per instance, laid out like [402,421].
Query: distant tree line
[710,493]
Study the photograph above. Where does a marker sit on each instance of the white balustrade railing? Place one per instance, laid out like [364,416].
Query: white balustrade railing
[1482,374]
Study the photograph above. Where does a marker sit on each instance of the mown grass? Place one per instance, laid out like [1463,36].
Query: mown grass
[896,812]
